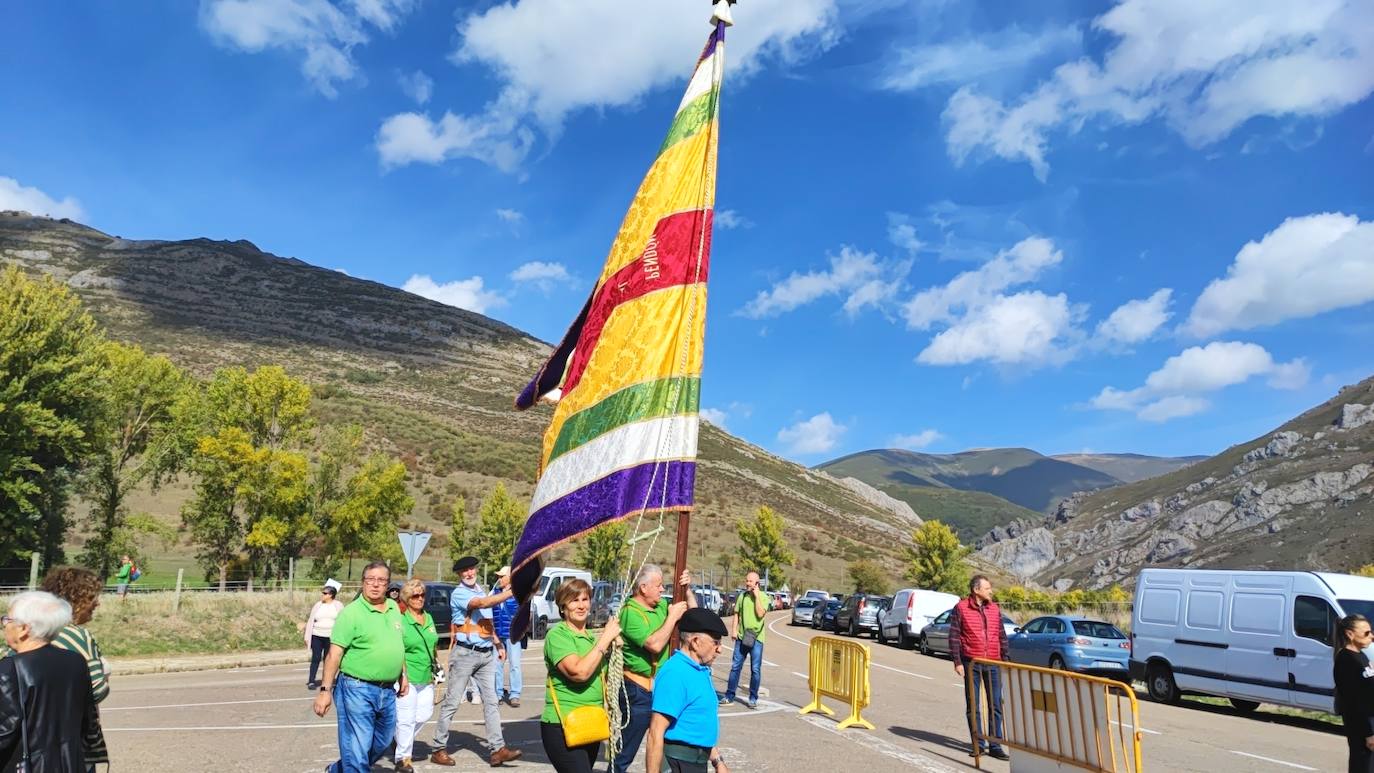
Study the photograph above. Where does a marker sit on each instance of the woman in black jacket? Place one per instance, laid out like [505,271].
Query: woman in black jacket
[1354,678]
[46,705]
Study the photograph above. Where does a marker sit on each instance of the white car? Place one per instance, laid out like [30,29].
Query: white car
[542,609]
[911,611]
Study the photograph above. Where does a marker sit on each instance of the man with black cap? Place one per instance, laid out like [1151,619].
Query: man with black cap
[685,728]
[470,658]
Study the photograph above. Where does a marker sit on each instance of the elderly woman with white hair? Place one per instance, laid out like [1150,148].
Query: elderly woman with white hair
[46,703]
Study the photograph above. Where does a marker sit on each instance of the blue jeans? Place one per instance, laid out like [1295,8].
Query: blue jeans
[989,679]
[640,709]
[755,655]
[367,723]
[513,661]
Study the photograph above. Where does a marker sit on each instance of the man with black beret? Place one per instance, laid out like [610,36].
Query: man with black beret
[685,728]
[474,638]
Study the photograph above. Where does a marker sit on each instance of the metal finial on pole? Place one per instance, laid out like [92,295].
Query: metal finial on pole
[720,12]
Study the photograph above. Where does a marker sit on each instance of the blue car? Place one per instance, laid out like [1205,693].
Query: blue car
[1072,643]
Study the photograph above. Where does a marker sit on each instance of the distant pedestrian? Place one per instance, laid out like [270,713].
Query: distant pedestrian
[46,702]
[318,627]
[364,673]
[124,576]
[502,616]
[684,732]
[1354,678]
[470,660]
[576,663]
[421,640]
[975,631]
[751,615]
[646,624]
[81,588]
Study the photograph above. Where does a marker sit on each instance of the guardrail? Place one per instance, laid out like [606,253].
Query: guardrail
[839,669]
[1085,721]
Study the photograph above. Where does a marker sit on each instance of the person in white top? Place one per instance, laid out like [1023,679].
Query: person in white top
[318,627]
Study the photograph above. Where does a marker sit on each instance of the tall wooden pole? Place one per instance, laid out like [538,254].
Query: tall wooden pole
[684,524]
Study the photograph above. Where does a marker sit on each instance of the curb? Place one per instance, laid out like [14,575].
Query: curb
[174,664]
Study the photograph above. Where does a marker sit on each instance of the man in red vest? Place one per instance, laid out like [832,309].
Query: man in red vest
[975,631]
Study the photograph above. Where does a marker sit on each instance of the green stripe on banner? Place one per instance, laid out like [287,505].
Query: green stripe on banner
[691,118]
[649,400]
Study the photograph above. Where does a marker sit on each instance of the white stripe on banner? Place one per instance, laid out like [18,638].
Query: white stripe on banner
[661,439]
[701,79]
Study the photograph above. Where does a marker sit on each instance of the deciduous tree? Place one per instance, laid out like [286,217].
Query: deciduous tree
[935,559]
[869,577]
[498,529]
[605,551]
[764,549]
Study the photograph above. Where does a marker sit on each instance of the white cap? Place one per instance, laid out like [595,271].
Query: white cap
[333,583]
[503,571]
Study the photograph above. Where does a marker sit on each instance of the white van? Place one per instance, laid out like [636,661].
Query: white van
[1253,637]
[543,611]
[912,609]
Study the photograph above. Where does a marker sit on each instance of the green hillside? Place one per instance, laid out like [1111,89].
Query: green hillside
[1129,468]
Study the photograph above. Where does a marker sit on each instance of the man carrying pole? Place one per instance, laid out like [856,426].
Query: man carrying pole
[646,625]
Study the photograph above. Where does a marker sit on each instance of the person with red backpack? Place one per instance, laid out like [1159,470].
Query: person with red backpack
[975,631]
[128,573]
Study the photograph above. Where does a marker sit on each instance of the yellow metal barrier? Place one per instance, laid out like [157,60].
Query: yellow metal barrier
[839,669]
[1084,721]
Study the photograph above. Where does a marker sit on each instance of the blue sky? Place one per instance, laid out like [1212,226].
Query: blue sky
[1138,226]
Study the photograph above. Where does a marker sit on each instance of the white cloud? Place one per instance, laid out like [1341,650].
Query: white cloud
[417,86]
[512,216]
[816,435]
[1027,328]
[729,219]
[1137,320]
[541,272]
[554,57]
[36,202]
[972,59]
[716,417]
[1023,263]
[322,32]
[1175,389]
[463,293]
[1204,68]
[916,442]
[494,137]
[860,276]
[902,233]
[1306,266]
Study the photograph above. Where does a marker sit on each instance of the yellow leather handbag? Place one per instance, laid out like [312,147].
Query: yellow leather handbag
[582,725]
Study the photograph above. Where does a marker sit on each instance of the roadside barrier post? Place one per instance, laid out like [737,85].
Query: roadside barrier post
[1053,718]
[291,579]
[839,669]
[33,571]
[176,599]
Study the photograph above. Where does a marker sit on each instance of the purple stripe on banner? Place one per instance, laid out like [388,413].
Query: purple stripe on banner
[716,37]
[651,486]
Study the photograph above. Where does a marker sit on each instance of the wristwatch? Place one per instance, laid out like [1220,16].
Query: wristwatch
[324,689]
[715,762]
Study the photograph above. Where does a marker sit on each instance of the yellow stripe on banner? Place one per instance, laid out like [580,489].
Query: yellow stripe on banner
[674,183]
[625,355]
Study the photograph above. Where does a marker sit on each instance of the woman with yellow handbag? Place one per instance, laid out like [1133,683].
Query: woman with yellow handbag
[574,722]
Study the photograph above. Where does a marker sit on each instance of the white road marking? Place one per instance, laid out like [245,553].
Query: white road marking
[1271,759]
[900,671]
[768,662]
[1141,729]
[104,709]
[882,746]
[803,676]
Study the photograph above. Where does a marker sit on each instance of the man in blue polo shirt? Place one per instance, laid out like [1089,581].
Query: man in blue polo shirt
[684,728]
[474,640]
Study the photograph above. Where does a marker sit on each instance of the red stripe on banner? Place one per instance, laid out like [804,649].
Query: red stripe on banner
[669,259]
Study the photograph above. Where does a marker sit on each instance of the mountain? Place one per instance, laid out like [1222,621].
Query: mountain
[1020,477]
[429,383]
[1129,468]
[1300,497]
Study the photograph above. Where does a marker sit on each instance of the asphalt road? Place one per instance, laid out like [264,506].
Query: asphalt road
[260,719]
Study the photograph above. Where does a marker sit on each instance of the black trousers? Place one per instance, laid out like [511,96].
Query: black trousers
[578,759]
[319,645]
[1361,759]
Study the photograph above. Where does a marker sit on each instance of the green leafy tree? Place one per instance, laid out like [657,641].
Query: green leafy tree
[338,449]
[365,523]
[498,529]
[460,532]
[136,532]
[726,560]
[764,549]
[605,551]
[935,559]
[869,577]
[213,515]
[51,377]
[136,442]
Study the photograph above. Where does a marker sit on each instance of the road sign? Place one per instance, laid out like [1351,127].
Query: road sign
[412,545]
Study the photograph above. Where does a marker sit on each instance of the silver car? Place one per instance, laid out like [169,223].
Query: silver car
[935,637]
[802,612]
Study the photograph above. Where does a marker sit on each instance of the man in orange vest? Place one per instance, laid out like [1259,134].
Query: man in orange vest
[975,631]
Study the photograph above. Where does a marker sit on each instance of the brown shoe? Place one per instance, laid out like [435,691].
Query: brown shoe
[513,703]
[503,755]
[441,758]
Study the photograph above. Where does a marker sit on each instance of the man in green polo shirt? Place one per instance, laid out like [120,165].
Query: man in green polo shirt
[364,672]
[646,622]
[751,611]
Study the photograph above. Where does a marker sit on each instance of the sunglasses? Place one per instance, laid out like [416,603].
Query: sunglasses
[416,596]
[6,620]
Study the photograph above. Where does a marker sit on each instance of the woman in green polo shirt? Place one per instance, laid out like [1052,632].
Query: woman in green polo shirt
[576,662]
[415,707]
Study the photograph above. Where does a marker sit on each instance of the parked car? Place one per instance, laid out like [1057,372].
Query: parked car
[1251,637]
[816,593]
[823,618]
[543,610]
[859,613]
[1075,644]
[774,600]
[935,636]
[911,610]
[617,599]
[802,612]
[437,596]
[601,604]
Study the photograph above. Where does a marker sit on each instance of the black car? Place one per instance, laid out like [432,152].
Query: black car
[437,605]
[824,618]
